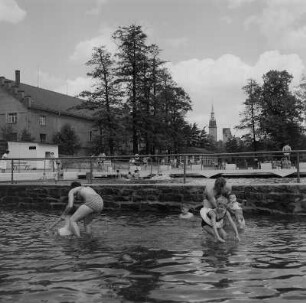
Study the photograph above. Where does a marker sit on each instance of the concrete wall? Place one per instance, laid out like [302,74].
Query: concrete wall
[274,198]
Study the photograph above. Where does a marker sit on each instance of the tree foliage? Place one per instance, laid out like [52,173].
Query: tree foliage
[281,111]
[104,100]
[273,115]
[67,140]
[250,117]
[136,103]
[26,136]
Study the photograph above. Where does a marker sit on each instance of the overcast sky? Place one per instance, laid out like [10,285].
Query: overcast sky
[213,46]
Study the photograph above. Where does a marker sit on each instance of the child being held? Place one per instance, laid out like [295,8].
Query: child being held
[235,208]
[213,222]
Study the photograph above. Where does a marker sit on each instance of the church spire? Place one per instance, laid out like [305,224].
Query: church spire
[213,124]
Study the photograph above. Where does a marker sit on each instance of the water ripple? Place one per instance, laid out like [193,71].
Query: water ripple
[151,258]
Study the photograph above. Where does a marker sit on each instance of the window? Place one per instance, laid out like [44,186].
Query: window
[90,136]
[43,138]
[42,120]
[12,118]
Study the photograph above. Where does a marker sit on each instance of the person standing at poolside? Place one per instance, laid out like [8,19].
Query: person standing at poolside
[211,193]
[4,161]
[287,150]
[93,205]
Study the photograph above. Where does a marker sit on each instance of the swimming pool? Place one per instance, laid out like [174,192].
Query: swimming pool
[144,257]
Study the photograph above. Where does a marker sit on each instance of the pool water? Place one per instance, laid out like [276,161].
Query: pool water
[143,257]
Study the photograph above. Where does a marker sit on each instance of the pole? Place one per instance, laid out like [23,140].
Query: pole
[12,171]
[298,167]
[184,169]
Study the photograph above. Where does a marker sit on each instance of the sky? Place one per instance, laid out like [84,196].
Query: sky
[212,47]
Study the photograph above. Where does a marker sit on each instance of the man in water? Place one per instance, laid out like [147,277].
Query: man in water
[93,204]
[211,193]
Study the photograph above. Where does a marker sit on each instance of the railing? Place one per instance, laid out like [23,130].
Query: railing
[156,167]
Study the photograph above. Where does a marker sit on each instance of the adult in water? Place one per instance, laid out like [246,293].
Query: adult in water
[93,204]
[211,193]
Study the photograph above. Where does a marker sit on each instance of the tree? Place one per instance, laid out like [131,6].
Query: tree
[134,99]
[203,138]
[8,133]
[173,103]
[26,136]
[104,100]
[132,55]
[67,140]
[233,145]
[282,112]
[273,115]
[250,117]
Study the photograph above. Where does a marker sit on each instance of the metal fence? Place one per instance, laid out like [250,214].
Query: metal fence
[153,167]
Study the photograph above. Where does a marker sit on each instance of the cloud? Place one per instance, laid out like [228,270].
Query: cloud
[226,19]
[48,81]
[73,87]
[237,3]
[282,22]
[177,42]
[11,12]
[97,9]
[83,50]
[220,81]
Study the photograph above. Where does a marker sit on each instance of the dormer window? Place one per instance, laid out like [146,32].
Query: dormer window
[11,118]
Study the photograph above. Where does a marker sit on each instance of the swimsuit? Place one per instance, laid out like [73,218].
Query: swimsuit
[95,202]
[206,220]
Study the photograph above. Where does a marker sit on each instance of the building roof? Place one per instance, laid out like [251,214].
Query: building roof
[55,102]
[50,101]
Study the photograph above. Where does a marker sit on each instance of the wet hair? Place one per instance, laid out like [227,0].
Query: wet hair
[219,185]
[184,206]
[222,200]
[75,184]
[221,208]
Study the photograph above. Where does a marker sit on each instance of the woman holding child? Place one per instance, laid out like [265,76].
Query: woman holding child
[214,210]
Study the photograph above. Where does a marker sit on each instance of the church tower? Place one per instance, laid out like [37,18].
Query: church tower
[213,125]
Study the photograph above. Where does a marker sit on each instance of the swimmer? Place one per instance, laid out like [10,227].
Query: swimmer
[236,209]
[220,187]
[185,213]
[213,221]
[93,205]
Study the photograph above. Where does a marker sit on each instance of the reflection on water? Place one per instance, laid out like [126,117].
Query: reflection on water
[140,257]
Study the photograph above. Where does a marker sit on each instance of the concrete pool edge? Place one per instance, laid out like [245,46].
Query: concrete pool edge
[268,198]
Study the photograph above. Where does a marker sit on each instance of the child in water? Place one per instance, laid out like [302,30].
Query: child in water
[213,221]
[185,213]
[235,208]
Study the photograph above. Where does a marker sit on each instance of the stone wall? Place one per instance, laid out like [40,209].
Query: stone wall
[272,198]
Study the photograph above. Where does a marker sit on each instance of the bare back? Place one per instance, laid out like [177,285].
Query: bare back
[210,195]
[85,192]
